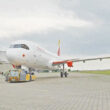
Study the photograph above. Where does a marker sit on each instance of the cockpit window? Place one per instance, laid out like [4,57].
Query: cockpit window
[24,46]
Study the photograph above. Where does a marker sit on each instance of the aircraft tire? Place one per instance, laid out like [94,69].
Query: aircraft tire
[61,74]
[66,74]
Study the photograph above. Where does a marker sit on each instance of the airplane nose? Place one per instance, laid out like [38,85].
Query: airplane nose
[16,56]
[11,55]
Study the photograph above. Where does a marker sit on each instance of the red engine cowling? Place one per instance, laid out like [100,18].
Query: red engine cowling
[70,63]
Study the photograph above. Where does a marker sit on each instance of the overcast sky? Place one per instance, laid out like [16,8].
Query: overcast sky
[83,26]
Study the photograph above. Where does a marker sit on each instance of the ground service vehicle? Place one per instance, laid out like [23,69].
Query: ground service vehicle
[19,75]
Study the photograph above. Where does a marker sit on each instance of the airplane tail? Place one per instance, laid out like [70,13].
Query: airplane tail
[58,53]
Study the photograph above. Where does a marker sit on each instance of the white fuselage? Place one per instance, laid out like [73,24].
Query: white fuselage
[31,55]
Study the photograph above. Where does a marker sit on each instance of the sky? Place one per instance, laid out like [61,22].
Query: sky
[83,26]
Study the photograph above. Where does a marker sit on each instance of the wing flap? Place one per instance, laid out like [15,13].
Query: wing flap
[91,59]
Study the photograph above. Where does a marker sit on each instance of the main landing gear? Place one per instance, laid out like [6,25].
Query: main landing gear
[63,73]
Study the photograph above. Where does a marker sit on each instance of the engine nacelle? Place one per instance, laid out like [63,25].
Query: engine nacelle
[70,63]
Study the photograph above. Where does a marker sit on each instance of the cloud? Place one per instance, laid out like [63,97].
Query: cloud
[42,17]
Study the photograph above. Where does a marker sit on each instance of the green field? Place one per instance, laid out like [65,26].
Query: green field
[107,72]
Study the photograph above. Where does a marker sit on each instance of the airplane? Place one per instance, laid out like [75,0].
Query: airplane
[29,54]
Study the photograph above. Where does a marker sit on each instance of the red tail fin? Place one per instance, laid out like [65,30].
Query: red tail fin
[13,66]
[58,53]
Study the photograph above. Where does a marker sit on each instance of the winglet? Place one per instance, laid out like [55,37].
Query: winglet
[58,53]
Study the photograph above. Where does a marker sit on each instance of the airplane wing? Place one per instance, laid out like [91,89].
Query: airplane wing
[3,58]
[69,62]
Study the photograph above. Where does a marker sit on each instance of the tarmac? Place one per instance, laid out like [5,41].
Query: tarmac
[50,92]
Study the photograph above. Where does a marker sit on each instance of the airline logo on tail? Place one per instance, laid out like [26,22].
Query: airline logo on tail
[58,53]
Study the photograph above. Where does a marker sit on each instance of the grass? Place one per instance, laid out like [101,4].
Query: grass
[106,72]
